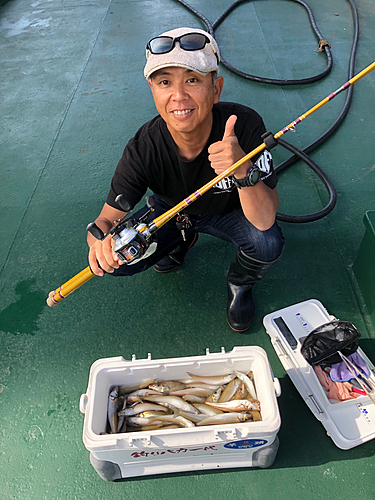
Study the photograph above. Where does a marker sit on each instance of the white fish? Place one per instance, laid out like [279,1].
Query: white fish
[137,396]
[141,421]
[139,408]
[242,393]
[195,391]
[152,427]
[193,399]
[249,384]
[215,396]
[207,410]
[167,386]
[226,418]
[112,409]
[237,405]
[192,416]
[174,419]
[213,380]
[127,389]
[230,390]
[210,387]
[174,401]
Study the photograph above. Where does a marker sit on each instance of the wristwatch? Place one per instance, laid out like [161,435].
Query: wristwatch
[252,177]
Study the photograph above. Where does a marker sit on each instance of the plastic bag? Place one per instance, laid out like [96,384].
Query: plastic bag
[321,345]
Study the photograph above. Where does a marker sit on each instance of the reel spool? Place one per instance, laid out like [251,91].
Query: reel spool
[134,239]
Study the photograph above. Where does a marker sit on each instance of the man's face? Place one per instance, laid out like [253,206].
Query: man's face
[184,99]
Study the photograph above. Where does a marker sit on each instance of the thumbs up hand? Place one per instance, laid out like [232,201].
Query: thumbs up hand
[229,127]
[223,154]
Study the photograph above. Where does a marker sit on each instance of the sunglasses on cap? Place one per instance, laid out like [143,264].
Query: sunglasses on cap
[188,42]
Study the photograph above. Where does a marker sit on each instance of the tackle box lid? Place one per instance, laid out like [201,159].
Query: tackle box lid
[348,423]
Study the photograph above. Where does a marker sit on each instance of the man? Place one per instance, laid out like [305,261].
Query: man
[194,138]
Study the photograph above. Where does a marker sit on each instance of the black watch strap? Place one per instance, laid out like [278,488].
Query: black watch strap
[252,177]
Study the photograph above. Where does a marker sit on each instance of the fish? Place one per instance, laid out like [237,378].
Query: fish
[112,410]
[142,421]
[194,391]
[143,392]
[256,415]
[167,386]
[180,420]
[215,395]
[214,380]
[192,416]
[226,418]
[137,396]
[210,387]
[139,408]
[193,399]
[127,389]
[242,393]
[152,427]
[175,401]
[177,418]
[121,405]
[248,382]
[133,400]
[200,400]
[230,390]
[121,402]
[152,414]
[237,405]
[207,410]
[121,425]
[250,374]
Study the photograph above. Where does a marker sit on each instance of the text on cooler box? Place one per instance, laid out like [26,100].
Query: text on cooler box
[200,450]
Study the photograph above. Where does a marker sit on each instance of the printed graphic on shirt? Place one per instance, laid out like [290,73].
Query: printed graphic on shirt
[225,185]
[264,163]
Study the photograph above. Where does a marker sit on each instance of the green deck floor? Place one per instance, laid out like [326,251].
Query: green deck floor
[73,93]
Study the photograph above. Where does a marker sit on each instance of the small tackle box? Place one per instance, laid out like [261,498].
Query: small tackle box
[132,454]
[348,423]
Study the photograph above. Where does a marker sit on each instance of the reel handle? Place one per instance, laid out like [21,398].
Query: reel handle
[123,204]
[95,231]
[150,202]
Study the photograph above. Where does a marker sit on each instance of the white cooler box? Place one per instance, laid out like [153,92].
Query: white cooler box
[249,444]
[348,423]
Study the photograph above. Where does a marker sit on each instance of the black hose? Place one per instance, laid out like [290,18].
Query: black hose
[297,153]
[212,27]
[322,176]
[272,81]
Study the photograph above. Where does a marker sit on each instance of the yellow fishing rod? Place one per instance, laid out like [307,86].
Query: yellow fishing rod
[134,239]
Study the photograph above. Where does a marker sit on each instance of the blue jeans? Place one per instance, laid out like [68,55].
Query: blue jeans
[265,246]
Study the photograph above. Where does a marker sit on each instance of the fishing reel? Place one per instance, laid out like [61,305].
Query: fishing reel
[134,238]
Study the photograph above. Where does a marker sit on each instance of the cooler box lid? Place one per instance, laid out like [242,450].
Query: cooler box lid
[348,423]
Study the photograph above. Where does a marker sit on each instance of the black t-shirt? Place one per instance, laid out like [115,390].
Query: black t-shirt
[150,160]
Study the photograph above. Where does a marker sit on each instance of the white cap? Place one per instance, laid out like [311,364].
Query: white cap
[202,61]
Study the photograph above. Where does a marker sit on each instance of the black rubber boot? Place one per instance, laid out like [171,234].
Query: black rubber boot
[242,275]
[176,257]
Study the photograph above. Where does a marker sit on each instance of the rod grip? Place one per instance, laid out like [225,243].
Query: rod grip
[50,300]
[56,296]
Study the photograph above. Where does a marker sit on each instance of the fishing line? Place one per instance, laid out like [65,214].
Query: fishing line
[297,153]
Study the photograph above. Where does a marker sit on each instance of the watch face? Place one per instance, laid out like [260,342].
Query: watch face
[255,176]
